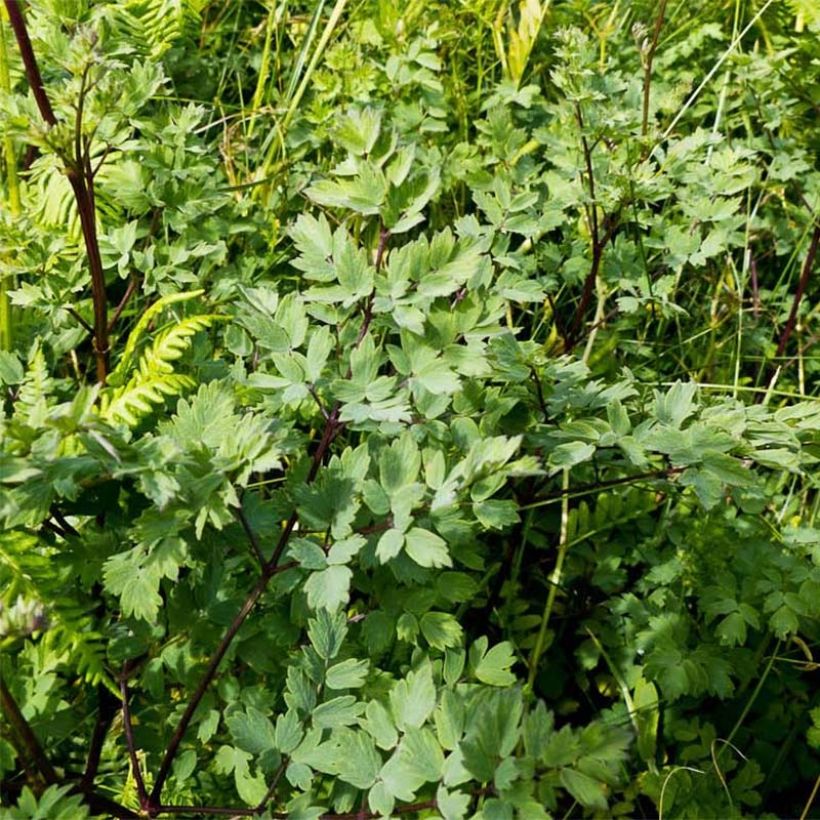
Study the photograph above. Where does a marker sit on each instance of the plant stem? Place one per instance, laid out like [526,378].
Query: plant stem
[80,175]
[714,70]
[555,580]
[252,539]
[210,672]
[13,186]
[128,728]
[35,81]
[647,69]
[271,568]
[30,745]
[332,22]
[107,710]
[802,283]
[274,13]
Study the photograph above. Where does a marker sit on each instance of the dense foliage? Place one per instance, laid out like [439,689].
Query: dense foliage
[409,408]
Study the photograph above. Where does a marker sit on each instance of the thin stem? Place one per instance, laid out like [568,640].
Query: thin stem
[539,393]
[101,805]
[750,702]
[73,312]
[598,239]
[106,711]
[271,568]
[555,581]
[81,177]
[129,292]
[805,813]
[384,235]
[802,283]
[35,81]
[272,788]
[252,539]
[647,71]
[13,186]
[599,485]
[204,683]
[25,735]
[129,738]
[714,70]
[212,810]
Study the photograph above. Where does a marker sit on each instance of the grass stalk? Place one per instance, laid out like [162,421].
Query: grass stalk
[714,70]
[327,33]
[555,582]
[12,195]
[648,57]
[296,86]
[274,16]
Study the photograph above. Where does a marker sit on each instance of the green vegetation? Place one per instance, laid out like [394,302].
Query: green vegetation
[409,409]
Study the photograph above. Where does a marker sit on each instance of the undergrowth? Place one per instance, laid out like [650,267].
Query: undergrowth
[409,409]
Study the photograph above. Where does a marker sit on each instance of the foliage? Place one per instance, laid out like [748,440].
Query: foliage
[457,451]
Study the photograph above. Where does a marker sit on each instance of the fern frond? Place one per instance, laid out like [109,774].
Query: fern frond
[154,26]
[133,391]
[50,199]
[170,344]
[82,648]
[31,407]
[137,399]
[120,373]
[28,569]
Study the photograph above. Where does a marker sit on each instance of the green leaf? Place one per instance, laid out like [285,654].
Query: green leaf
[565,456]
[379,724]
[677,404]
[413,699]
[349,674]
[494,667]
[422,755]
[359,762]
[288,733]
[440,629]
[390,545]
[340,711]
[586,790]
[426,548]
[11,371]
[329,589]
[251,731]
[326,632]
[647,717]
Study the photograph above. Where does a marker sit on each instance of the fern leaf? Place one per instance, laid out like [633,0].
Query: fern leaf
[118,375]
[137,399]
[171,344]
[153,379]
[152,27]
[31,407]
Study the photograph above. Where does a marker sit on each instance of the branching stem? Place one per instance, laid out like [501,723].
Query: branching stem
[649,56]
[29,746]
[80,175]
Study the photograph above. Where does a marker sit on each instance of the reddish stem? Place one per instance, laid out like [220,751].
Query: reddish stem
[81,178]
[25,735]
[802,283]
[35,81]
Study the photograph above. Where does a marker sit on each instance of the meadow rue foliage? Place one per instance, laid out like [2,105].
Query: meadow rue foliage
[409,409]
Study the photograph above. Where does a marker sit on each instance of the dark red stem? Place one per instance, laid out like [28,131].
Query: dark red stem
[25,735]
[129,738]
[35,81]
[271,568]
[803,282]
[81,178]
[647,72]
